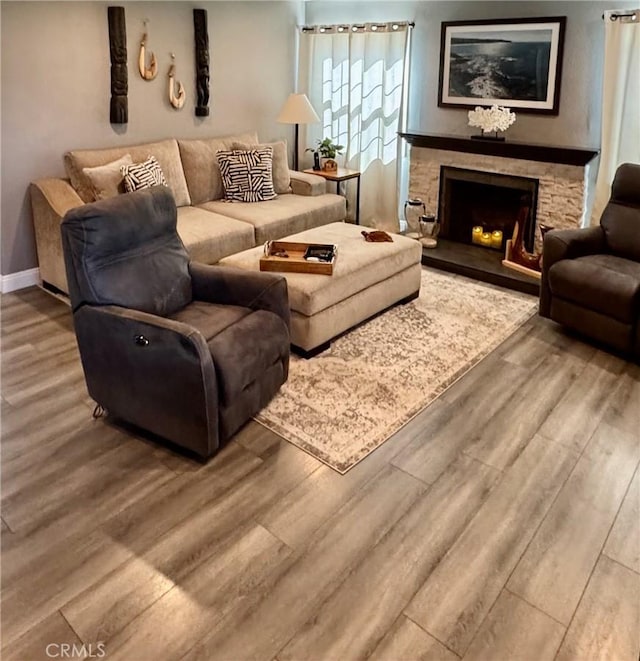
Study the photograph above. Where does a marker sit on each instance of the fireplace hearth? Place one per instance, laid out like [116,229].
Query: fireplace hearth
[479,264]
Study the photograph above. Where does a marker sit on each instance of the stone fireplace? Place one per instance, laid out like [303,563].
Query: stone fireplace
[558,177]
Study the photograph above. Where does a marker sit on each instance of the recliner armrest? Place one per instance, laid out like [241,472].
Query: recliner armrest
[303,183]
[226,285]
[569,244]
[566,244]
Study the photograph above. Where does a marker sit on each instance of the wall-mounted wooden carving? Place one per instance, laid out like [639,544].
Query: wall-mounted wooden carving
[175,98]
[151,71]
[119,108]
[202,61]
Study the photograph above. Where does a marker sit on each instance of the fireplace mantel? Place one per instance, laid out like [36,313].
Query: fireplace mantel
[506,149]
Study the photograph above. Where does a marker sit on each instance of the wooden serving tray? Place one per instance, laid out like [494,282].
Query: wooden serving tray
[295,262]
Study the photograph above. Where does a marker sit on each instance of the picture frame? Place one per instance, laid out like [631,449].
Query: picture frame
[515,63]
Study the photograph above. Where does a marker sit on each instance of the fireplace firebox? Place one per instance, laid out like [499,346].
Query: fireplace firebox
[471,198]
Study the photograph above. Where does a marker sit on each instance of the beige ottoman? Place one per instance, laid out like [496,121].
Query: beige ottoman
[367,278]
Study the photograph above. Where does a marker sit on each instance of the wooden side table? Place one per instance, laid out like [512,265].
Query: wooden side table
[339,175]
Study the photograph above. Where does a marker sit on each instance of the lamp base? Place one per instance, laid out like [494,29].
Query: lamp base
[295,150]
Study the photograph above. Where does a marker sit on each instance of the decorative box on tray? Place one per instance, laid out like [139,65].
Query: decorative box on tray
[292,257]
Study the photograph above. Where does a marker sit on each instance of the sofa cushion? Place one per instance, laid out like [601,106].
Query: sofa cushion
[166,152]
[142,175]
[606,284]
[247,176]
[106,180]
[208,237]
[200,162]
[281,176]
[285,215]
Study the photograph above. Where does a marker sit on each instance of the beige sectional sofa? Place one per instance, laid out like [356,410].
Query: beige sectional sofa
[210,227]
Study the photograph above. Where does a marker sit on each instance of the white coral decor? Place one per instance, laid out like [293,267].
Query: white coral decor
[496,118]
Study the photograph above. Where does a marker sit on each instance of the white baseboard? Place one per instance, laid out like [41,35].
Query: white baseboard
[20,280]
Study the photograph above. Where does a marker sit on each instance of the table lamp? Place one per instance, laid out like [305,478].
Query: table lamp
[297,110]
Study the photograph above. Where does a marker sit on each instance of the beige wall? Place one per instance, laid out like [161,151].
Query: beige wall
[55,86]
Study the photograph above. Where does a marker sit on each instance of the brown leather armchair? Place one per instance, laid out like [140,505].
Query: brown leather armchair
[591,277]
[187,351]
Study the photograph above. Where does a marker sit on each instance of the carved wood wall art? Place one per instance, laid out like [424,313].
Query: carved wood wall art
[119,107]
[150,72]
[202,61]
[177,95]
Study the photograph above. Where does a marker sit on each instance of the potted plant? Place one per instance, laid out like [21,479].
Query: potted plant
[328,150]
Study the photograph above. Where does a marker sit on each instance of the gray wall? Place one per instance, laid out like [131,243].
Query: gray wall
[55,79]
[55,87]
[578,123]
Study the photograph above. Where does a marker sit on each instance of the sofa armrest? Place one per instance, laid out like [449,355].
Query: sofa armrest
[226,285]
[303,183]
[50,201]
[566,244]
[167,385]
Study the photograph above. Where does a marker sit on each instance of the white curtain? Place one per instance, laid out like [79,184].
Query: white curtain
[355,82]
[620,137]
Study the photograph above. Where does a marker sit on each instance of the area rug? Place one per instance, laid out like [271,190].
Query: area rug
[345,402]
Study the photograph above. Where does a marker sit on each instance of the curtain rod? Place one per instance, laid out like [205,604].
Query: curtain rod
[389,26]
[631,16]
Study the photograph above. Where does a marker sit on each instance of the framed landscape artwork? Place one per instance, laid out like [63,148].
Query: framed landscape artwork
[509,62]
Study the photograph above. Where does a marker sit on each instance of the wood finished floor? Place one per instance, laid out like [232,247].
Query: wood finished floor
[502,523]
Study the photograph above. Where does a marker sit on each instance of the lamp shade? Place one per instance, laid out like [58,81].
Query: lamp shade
[297,110]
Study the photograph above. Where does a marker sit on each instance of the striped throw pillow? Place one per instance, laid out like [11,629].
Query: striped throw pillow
[143,175]
[247,175]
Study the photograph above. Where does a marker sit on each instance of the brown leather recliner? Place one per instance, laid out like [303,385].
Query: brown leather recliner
[591,277]
[187,351]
